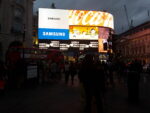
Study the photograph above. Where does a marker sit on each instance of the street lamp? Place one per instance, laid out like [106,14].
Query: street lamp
[23,39]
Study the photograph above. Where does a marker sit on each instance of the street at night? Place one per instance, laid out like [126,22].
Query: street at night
[74,56]
[57,97]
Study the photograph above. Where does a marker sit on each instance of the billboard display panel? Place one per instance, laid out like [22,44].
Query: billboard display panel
[102,39]
[72,24]
[91,18]
[53,24]
[103,32]
[83,33]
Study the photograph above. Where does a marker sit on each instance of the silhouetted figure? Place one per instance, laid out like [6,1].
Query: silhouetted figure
[2,77]
[72,72]
[53,69]
[91,79]
[135,69]
[20,73]
[53,6]
[148,69]
[110,73]
[67,72]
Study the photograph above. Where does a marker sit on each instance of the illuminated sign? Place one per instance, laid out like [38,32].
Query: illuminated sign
[102,39]
[83,33]
[72,24]
[53,24]
[53,18]
[62,34]
[65,45]
[103,33]
[90,18]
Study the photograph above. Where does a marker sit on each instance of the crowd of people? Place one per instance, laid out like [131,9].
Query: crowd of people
[95,76]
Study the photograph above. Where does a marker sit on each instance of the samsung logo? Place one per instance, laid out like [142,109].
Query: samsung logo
[53,18]
[53,34]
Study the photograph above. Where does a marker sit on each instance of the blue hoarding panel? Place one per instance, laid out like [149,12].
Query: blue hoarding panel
[60,34]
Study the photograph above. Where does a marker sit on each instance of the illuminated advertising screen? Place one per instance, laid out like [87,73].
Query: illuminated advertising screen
[83,33]
[90,18]
[53,24]
[103,32]
[102,39]
[58,24]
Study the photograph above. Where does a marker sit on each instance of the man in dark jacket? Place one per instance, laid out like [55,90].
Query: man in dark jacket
[135,69]
[91,79]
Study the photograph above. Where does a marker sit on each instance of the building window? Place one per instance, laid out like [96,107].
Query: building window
[21,2]
[136,51]
[140,51]
[1,50]
[18,14]
[17,27]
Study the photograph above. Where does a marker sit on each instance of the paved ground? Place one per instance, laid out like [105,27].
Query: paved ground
[49,98]
[57,97]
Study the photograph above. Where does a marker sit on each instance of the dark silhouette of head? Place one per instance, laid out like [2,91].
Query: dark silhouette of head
[88,59]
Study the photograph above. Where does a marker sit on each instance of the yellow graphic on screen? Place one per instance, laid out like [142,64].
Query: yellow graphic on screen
[88,33]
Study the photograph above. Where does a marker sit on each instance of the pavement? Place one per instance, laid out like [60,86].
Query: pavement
[58,97]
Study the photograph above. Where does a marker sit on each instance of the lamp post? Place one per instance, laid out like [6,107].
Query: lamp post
[23,39]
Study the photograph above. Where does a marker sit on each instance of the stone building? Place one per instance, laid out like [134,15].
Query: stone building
[35,30]
[134,43]
[15,23]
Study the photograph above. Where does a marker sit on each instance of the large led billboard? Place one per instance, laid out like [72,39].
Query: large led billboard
[83,33]
[53,24]
[58,24]
[90,18]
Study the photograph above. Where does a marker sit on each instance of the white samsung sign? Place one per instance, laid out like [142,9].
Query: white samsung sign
[50,18]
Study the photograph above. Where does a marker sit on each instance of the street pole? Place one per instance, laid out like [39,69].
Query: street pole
[23,40]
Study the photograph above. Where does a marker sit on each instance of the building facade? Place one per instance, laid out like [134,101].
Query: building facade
[134,43]
[15,23]
[35,30]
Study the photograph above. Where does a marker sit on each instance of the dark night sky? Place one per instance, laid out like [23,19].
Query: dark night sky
[137,9]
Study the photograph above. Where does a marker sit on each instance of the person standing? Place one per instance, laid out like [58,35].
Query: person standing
[2,77]
[135,69]
[67,72]
[53,69]
[72,71]
[90,78]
